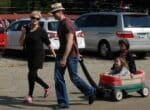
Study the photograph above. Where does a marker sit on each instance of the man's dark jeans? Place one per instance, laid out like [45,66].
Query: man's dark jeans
[60,86]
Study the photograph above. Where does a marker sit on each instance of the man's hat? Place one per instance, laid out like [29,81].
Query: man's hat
[56,7]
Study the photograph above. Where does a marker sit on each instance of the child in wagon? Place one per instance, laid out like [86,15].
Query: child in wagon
[120,67]
[125,53]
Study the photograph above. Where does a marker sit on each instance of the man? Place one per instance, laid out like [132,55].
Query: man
[67,56]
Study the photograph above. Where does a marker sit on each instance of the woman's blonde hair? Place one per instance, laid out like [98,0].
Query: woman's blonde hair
[36,13]
[123,62]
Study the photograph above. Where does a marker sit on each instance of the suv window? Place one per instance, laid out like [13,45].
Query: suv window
[108,21]
[17,25]
[52,26]
[41,24]
[136,20]
[97,21]
[81,22]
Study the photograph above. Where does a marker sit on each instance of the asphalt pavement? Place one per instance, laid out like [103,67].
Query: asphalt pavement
[14,86]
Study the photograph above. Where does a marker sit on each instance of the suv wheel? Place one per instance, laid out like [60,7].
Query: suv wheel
[141,55]
[104,49]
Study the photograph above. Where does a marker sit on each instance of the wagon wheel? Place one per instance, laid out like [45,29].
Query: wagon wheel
[100,94]
[118,95]
[144,92]
[125,94]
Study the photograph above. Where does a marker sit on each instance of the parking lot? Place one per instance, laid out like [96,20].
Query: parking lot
[14,86]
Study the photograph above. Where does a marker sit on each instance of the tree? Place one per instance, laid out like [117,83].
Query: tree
[43,3]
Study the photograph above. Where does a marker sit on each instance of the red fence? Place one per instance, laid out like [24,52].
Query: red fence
[18,16]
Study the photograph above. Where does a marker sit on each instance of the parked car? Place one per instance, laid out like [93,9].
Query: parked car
[49,24]
[103,30]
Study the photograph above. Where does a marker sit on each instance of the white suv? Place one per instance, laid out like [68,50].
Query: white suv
[103,30]
[49,24]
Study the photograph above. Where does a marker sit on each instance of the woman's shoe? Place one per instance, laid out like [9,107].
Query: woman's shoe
[47,92]
[28,99]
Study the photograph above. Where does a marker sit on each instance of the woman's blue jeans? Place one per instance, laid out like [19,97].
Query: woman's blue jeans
[60,86]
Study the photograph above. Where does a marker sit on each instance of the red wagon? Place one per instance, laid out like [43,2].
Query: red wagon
[118,86]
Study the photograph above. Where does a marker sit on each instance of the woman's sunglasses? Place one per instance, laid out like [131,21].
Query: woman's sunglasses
[32,17]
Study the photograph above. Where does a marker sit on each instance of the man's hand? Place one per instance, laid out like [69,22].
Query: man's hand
[63,62]
[80,57]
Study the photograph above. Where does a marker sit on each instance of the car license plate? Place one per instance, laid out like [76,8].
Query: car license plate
[142,35]
[79,41]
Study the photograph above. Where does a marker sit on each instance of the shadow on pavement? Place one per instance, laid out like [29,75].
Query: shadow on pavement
[106,97]
[19,55]
[18,103]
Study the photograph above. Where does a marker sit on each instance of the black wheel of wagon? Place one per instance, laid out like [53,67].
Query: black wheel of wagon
[141,55]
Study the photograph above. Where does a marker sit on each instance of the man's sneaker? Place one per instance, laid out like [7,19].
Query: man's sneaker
[91,99]
[63,106]
[47,92]
[28,99]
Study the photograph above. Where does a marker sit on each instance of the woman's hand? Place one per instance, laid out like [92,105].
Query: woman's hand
[52,50]
[21,42]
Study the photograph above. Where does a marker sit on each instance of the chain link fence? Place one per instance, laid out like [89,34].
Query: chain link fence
[71,6]
[23,6]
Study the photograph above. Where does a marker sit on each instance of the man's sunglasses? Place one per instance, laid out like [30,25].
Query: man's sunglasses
[32,17]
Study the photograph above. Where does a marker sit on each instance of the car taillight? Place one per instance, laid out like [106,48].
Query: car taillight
[125,34]
[52,35]
[3,42]
[80,34]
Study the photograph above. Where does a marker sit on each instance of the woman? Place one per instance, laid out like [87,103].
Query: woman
[33,37]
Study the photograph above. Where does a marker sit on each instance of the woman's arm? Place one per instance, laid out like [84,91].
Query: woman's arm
[52,50]
[22,36]
[46,40]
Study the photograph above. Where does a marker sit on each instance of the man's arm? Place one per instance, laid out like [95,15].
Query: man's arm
[68,49]
[68,45]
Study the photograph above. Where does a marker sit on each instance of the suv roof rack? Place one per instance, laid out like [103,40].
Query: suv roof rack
[123,10]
